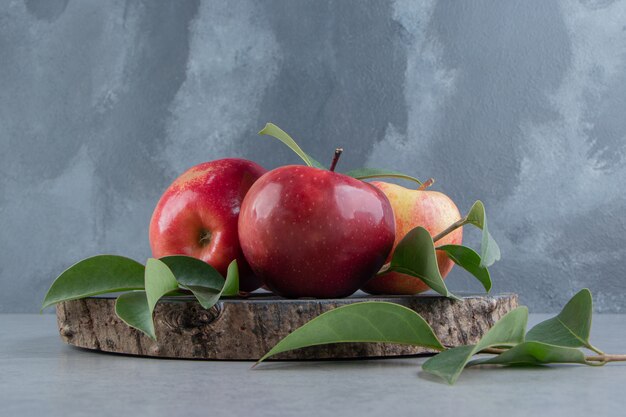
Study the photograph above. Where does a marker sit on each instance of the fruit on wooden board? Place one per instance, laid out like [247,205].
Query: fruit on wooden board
[309,232]
[198,215]
[432,210]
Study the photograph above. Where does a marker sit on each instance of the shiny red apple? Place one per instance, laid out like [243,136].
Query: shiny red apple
[197,216]
[432,210]
[309,232]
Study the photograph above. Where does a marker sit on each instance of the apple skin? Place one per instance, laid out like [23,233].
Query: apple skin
[310,232]
[432,210]
[206,198]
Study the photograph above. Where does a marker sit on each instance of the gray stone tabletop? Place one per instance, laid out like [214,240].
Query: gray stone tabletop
[39,375]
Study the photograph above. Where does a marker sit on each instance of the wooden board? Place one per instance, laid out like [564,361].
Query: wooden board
[245,329]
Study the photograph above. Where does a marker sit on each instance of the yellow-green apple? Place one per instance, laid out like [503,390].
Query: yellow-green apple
[197,216]
[310,232]
[432,210]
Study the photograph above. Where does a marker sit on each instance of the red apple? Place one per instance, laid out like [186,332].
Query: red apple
[197,216]
[310,232]
[432,210]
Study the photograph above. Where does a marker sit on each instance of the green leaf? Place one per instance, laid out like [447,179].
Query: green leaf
[370,321]
[534,353]
[469,260]
[159,280]
[508,331]
[315,163]
[476,215]
[231,286]
[132,308]
[136,308]
[571,327]
[489,250]
[271,129]
[366,173]
[415,256]
[193,271]
[204,281]
[96,275]
[208,296]
[449,363]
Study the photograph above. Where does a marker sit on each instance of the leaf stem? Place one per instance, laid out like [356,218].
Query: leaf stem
[450,228]
[333,164]
[606,358]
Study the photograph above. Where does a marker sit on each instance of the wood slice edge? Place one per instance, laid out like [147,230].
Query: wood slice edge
[247,329]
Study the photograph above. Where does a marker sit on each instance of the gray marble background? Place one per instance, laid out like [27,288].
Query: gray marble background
[519,103]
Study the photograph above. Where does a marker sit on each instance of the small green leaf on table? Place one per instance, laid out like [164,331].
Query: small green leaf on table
[367,173]
[489,250]
[534,353]
[132,308]
[271,129]
[99,274]
[571,327]
[415,256]
[508,331]
[370,321]
[469,260]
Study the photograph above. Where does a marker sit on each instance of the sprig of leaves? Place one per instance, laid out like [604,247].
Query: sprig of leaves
[555,340]
[508,331]
[552,341]
[147,285]
[489,249]
[415,254]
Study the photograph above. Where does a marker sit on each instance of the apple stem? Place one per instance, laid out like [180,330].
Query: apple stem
[333,164]
[426,184]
